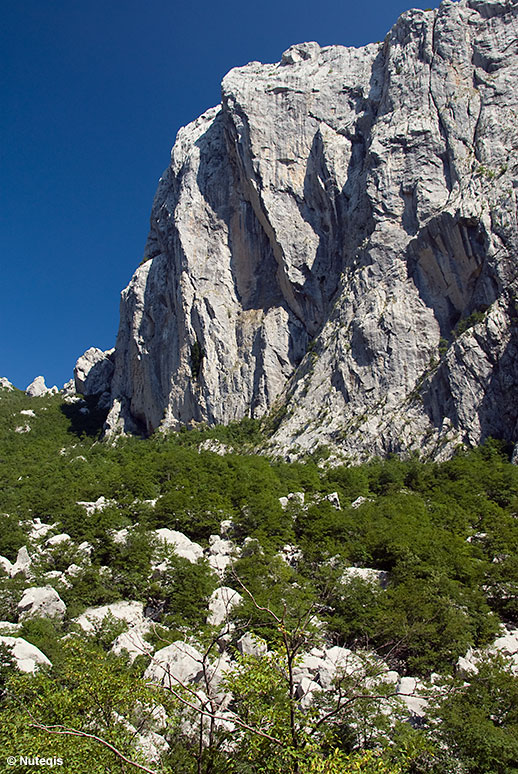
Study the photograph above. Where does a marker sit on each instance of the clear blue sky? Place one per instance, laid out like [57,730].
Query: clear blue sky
[92,94]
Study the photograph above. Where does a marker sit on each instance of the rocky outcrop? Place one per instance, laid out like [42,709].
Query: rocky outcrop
[335,244]
[93,372]
[37,388]
[22,564]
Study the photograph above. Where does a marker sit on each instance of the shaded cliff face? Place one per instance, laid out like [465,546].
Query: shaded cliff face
[337,241]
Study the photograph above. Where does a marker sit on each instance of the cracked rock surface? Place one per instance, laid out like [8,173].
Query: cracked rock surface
[336,242]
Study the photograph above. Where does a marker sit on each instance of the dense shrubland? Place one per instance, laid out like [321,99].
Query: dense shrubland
[446,534]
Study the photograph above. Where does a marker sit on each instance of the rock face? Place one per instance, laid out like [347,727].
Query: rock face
[336,243]
[93,372]
[37,388]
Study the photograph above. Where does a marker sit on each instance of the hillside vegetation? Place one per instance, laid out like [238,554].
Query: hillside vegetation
[442,538]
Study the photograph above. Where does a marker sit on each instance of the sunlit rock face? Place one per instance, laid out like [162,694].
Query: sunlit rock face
[338,240]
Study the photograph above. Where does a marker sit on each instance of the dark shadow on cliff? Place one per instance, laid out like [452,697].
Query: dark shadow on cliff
[341,218]
[497,411]
[448,263]
[85,417]
[253,264]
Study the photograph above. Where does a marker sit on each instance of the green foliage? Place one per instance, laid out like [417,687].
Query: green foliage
[180,599]
[444,345]
[479,720]
[446,534]
[88,691]
[197,355]
[468,322]
[45,634]
[275,585]
[12,536]
[7,664]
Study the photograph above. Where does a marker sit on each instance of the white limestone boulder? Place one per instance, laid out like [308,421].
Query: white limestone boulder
[131,612]
[57,540]
[41,602]
[409,690]
[176,664]
[6,565]
[182,545]
[251,645]
[23,563]
[221,603]
[39,529]
[305,691]
[133,642]
[8,628]
[27,657]
[368,574]
[97,505]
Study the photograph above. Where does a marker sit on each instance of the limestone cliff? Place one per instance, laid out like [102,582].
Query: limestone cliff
[337,243]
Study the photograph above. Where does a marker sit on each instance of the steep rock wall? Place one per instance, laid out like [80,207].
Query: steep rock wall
[337,243]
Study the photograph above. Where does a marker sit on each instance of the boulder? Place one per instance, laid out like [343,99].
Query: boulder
[152,745]
[226,527]
[6,627]
[176,664]
[39,529]
[218,545]
[305,690]
[133,641]
[221,603]
[408,690]
[466,667]
[56,577]
[368,574]
[152,717]
[27,657]
[295,498]
[38,388]
[6,565]
[216,447]
[338,661]
[73,571]
[5,384]
[120,536]
[251,645]
[56,540]
[182,545]
[23,563]
[98,505]
[291,555]
[219,563]
[41,602]
[131,612]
